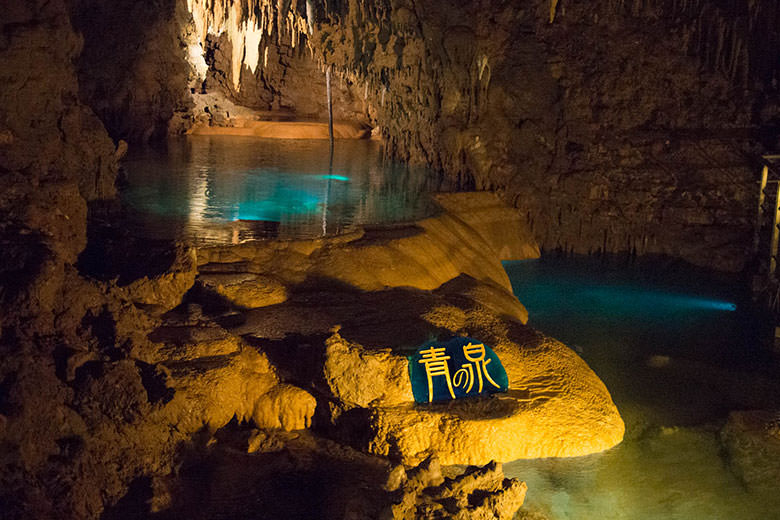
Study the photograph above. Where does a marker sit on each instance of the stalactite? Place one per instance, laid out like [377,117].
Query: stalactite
[244,22]
[553,8]
[740,46]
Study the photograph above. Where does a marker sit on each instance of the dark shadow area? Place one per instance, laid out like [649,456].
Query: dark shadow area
[114,252]
[392,318]
[373,235]
[154,382]
[22,255]
[133,99]
[302,478]
[135,503]
[298,358]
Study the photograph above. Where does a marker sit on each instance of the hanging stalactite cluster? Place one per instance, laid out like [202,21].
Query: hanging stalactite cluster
[478,97]
[378,46]
[738,38]
[247,23]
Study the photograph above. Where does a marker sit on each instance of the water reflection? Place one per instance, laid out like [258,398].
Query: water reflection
[228,189]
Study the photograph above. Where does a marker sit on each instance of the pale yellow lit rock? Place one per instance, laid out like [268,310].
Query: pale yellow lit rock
[471,235]
[286,407]
[359,377]
[556,407]
[211,391]
[246,289]
[189,343]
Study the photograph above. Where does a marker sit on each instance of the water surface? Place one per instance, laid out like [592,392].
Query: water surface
[677,350]
[226,189]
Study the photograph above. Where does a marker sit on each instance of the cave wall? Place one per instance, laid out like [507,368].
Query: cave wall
[616,129]
[620,126]
[54,157]
[71,397]
[289,82]
[736,38]
[132,70]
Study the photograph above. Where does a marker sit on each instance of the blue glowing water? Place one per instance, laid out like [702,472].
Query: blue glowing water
[677,351]
[227,189]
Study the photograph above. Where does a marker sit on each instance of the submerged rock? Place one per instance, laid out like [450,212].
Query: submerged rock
[752,443]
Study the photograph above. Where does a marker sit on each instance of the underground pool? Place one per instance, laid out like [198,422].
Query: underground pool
[226,189]
[677,350]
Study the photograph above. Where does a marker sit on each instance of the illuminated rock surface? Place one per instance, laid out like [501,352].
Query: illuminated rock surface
[556,406]
[245,289]
[423,255]
[211,391]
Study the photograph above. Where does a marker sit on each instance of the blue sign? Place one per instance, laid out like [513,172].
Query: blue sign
[460,367]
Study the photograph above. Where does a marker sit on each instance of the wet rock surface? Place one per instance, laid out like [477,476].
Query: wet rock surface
[556,405]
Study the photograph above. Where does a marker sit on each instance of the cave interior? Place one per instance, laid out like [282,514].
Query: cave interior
[251,360]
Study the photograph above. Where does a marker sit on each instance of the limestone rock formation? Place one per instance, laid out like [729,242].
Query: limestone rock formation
[212,378]
[478,493]
[551,115]
[556,407]
[752,443]
[593,125]
[358,377]
[423,255]
[245,289]
[188,341]
[380,302]
[165,290]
